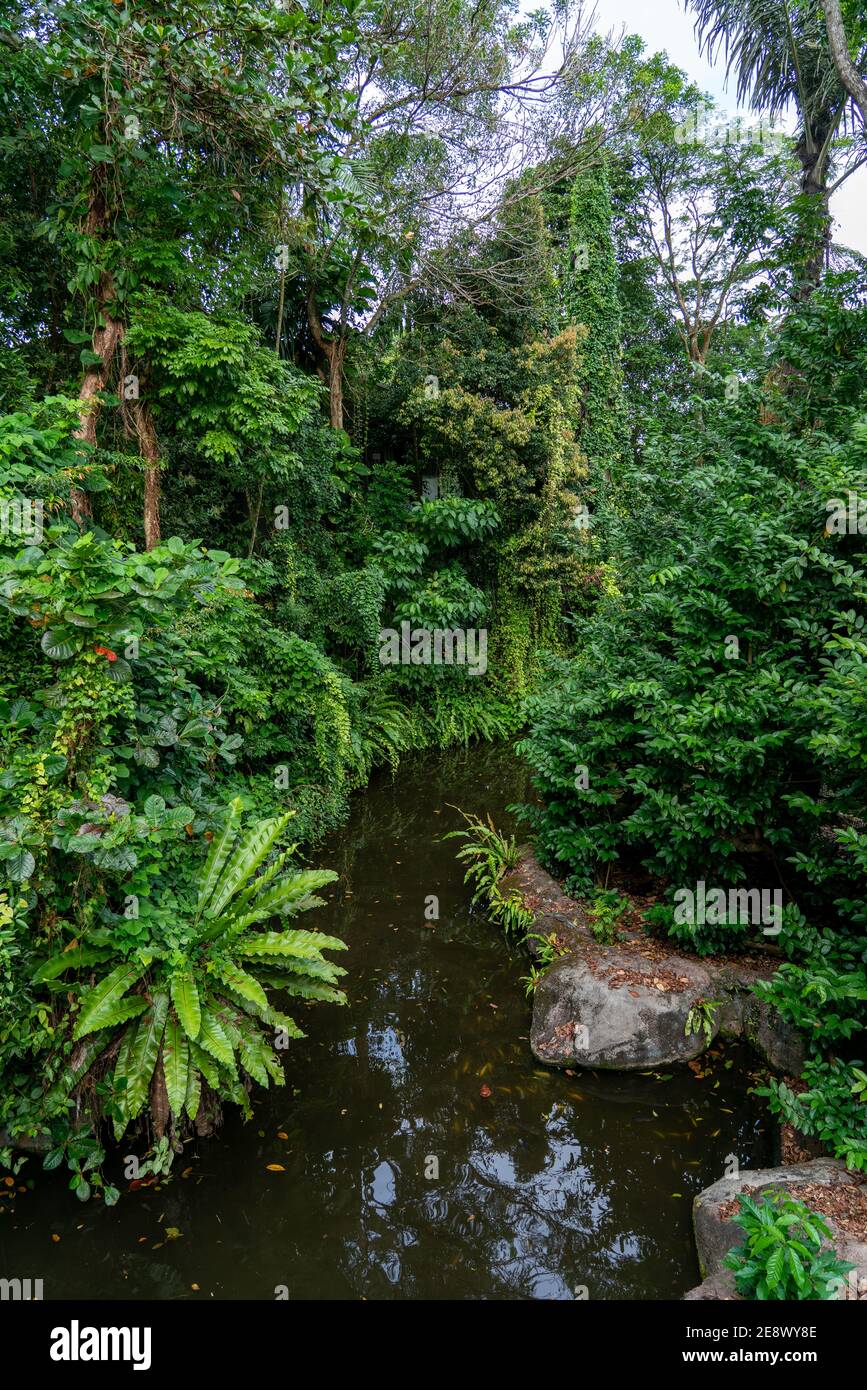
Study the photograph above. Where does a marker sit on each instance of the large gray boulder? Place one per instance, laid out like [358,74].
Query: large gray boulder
[625,1007]
[616,1010]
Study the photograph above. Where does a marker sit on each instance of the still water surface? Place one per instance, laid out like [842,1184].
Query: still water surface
[549,1184]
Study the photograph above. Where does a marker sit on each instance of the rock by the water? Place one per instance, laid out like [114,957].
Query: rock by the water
[717,1287]
[617,1011]
[625,1006]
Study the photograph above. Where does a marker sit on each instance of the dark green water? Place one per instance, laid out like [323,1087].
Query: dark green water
[548,1184]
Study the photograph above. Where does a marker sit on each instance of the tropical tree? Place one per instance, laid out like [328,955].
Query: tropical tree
[175,142]
[464,112]
[712,222]
[780,52]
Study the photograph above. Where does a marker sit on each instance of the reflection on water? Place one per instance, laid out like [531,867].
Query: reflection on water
[401,1178]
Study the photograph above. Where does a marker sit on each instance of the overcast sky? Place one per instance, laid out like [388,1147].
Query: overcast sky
[666,24]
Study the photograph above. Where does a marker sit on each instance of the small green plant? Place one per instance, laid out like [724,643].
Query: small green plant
[606,916]
[783,1255]
[700,1019]
[833,1108]
[488,856]
[546,954]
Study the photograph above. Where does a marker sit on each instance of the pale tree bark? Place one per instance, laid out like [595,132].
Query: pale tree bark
[333,350]
[148,447]
[106,337]
[278,338]
[849,75]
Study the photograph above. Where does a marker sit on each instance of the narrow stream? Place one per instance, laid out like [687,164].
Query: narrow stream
[548,1185]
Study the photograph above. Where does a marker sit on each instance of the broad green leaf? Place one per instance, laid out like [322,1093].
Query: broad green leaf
[185,997]
[98,1003]
[57,645]
[176,1063]
[213,1038]
[206,1065]
[143,1053]
[154,809]
[20,865]
[303,944]
[252,848]
[295,894]
[193,1098]
[253,1051]
[257,884]
[218,853]
[242,983]
[774,1267]
[309,989]
[283,1022]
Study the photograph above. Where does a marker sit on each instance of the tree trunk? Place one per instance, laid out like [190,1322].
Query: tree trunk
[814,239]
[148,447]
[106,337]
[336,357]
[333,351]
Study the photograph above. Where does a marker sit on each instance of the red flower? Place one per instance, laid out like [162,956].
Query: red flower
[104,651]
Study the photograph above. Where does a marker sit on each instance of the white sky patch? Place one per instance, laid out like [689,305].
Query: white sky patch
[666,24]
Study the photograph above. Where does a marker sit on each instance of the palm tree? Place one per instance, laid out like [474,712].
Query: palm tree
[779,49]
[849,72]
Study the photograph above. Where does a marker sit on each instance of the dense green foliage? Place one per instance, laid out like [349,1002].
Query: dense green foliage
[308,458]
[785,1254]
[199,567]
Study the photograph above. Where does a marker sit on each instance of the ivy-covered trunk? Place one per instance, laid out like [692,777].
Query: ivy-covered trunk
[150,451]
[814,223]
[107,334]
[332,351]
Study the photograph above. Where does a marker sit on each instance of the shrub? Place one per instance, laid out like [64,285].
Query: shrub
[783,1255]
[833,1108]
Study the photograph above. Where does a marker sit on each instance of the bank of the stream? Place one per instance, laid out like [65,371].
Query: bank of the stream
[384,1168]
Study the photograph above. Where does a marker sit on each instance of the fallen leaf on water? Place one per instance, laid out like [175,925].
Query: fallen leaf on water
[172,1233]
[275,1167]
